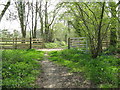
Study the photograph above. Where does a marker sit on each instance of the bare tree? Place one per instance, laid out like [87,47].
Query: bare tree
[36,15]
[4,10]
[48,22]
[20,5]
[34,18]
[23,15]
[41,18]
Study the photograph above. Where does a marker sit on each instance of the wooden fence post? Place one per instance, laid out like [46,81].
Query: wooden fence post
[16,43]
[86,45]
[13,44]
[2,44]
[68,43]
[43,45]
[30,43]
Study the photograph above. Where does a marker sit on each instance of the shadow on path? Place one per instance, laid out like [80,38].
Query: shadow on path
[55,76]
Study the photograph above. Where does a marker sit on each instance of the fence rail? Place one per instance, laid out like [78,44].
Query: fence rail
[21,43]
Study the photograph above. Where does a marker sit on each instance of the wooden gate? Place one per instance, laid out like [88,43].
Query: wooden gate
[78,42]
[82,42]
[21,43]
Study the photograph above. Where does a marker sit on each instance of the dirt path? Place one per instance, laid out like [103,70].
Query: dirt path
[55,76]
[49,49]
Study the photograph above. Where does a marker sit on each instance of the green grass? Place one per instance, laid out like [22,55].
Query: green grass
[102,71]
[20,68]
[56,44]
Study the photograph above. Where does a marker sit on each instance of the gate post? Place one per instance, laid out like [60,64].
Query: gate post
[68,43]
[16,43]
[30,43]
[13,44]
[87,45]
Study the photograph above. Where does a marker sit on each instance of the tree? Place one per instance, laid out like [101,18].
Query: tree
[36,15]
[92,19]
[99,44]
[34,18]
[40,11]
[15,33]
[4,10]
[119,21]
[5,33]
[113,28]
[23,18]
[46,22]
[49,18]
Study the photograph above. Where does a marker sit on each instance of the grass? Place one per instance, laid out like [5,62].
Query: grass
[20,68]
[102,71]
[56,44]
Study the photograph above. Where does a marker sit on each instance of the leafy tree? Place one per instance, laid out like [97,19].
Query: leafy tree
[91,19]
[5,33]
[113,31]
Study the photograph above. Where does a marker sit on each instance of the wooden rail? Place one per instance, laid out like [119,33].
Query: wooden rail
[21,43]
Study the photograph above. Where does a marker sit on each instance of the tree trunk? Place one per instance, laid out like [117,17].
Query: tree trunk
[21,13]
[35,27]
[99,44]
[119,22]
[46,23]
[41,19]
[32,19]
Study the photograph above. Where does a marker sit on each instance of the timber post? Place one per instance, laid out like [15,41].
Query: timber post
[86,45]
[13,44]
[16,43]
[68,43]
[30,43]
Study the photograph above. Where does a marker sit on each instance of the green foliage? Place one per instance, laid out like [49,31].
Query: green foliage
[102,71]
[20,68]
[111,50]
[56,44]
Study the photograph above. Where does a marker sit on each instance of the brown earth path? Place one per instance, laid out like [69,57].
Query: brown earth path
[56,76]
